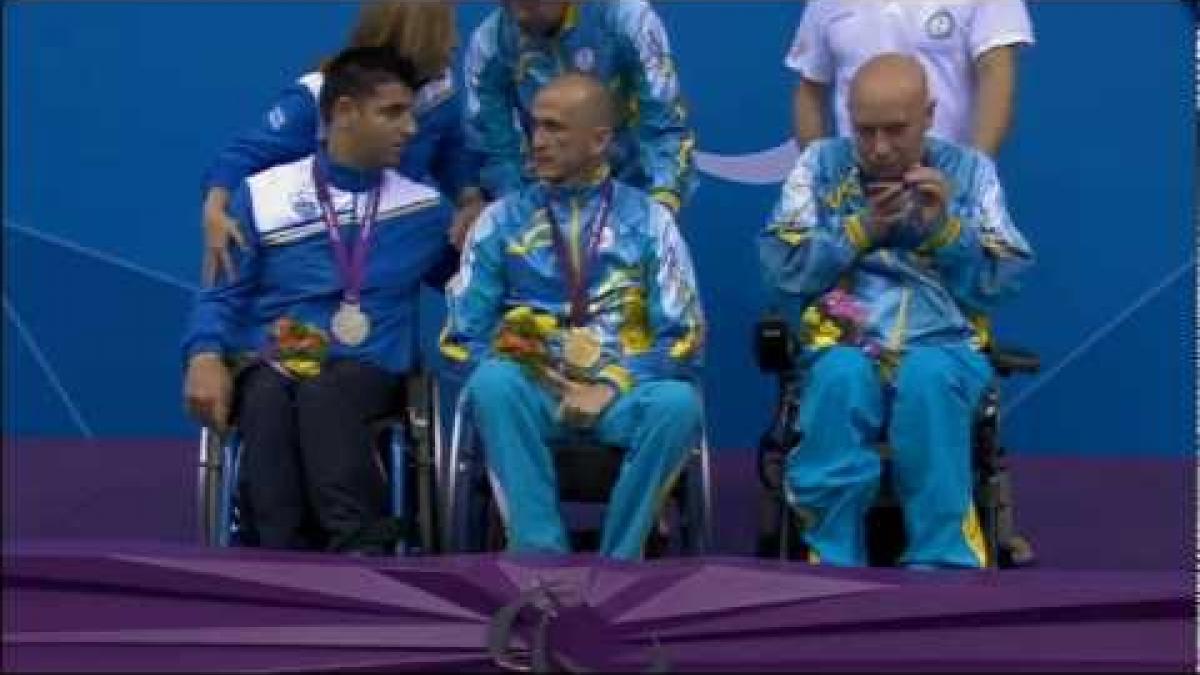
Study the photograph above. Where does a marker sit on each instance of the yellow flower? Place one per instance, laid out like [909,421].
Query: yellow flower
[525,321]
[812,318]
[518,315]
[301,367]
[545,324]
[827,334]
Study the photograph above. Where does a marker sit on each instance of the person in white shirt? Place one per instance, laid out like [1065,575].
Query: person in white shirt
[967,47]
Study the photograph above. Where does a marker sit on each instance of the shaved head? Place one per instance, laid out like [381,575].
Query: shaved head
[585,96]
[890,79]
[891,113]
[573,116]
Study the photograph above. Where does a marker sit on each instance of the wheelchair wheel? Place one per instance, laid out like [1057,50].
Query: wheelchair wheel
[495,538]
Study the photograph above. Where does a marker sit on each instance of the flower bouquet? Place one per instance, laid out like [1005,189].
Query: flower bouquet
[839,318]
[299,348]
[522,337]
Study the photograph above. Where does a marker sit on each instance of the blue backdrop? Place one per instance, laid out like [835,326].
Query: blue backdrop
[113,109]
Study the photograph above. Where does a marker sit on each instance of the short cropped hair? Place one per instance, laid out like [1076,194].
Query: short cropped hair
[357,71]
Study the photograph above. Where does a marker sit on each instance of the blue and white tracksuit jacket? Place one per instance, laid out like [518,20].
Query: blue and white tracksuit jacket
[289,268]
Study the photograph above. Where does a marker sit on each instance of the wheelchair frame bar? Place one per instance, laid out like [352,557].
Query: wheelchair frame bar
[450,476]
[428,462]
[208,486]
[217,477]
[704,529]
[229,479]
[398,449]
[457,470]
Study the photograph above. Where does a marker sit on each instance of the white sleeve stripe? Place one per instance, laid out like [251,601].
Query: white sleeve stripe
[312,82]
[805,72]
[1002,40]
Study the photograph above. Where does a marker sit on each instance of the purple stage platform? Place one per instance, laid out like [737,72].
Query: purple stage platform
[100,576]
[170,609]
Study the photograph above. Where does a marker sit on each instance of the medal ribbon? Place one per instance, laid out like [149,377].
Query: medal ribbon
[577,276]
[352,265]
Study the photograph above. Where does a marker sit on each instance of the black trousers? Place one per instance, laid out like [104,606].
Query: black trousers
[311,477]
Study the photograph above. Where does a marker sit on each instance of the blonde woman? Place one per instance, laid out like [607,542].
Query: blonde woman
[425,33]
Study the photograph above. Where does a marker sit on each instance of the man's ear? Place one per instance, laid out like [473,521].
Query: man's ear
[601,139]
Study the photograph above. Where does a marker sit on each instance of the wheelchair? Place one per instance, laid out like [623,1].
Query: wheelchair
[586,472]
[405,443]
[781,528]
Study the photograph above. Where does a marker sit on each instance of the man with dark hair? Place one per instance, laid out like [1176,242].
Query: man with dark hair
[306,346]
[599,272]
[423,31]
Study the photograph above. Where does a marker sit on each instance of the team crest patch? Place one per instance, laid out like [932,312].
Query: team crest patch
[585,59]
[940,25]
[305,204]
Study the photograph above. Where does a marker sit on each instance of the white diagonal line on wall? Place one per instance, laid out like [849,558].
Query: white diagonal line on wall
[47,369]
[1098,334]
[99,255]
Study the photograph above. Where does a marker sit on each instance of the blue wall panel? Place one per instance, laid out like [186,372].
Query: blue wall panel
[113,109]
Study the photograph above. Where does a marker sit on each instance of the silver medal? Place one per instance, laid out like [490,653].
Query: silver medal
[350,325]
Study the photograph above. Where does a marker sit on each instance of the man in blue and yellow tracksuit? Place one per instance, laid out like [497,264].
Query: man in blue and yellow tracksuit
[889,248]
[575,308]
[320,319]
[526,43]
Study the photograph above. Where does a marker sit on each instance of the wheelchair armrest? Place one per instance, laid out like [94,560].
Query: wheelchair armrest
[1008,360]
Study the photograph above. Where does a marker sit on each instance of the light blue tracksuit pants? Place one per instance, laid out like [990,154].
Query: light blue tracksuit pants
[834,471]
[657,423]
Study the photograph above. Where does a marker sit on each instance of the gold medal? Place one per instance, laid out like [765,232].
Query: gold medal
[581,348]
[350,324]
